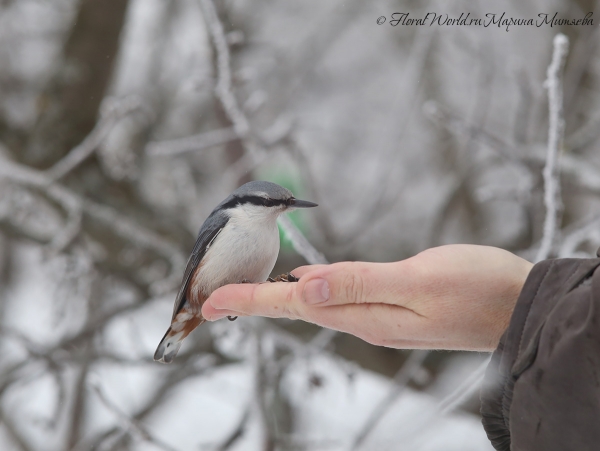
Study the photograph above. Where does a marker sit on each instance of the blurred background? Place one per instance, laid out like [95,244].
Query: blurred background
[124,122]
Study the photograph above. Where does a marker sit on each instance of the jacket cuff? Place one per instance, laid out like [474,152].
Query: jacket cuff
[547,284]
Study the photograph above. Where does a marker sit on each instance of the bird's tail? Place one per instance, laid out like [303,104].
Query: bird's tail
[171,342]
[169,346]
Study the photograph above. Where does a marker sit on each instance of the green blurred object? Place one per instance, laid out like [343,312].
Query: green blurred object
[291,180]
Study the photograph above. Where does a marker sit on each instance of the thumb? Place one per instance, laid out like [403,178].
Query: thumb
[350,283]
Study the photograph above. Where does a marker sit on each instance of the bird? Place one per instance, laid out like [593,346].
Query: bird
[238,243]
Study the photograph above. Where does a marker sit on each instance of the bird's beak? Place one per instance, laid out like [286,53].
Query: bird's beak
[297,203]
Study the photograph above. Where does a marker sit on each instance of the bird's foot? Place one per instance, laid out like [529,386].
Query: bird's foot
[287,277]
[233,318]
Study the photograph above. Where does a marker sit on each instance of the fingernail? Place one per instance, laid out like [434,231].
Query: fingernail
[316,291]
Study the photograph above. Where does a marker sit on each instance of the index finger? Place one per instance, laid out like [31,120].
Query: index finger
[336,284]
[242,298]
[273,300]
[301,270]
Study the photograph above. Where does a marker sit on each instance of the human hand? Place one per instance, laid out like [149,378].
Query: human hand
[457,297]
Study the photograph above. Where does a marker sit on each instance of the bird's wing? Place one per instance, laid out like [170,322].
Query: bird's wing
[208,232]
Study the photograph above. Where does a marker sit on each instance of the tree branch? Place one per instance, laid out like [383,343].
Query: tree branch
[192,143]
[401,379]
[469,386]
[110,218]
[300,243]
[556,131]
[112,112]
[254,154]
[130,425]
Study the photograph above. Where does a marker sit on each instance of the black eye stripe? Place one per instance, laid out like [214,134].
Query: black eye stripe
[257,200]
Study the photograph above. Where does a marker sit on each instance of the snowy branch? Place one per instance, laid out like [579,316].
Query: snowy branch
[224,89]
[467,388]
[192,143]
[13,431]
[129,425]
[408,371]
[300,243]
[110,218]
[236,434]
[457,125]
[578,234]
[556,133]
[112,113]
[450,402]
[224,86]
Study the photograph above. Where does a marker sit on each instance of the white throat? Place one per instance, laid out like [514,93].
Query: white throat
[247,248]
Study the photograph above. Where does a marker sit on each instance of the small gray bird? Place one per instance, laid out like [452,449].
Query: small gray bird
[238,242]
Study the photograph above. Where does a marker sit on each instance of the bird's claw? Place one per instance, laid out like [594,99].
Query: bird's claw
[233,318]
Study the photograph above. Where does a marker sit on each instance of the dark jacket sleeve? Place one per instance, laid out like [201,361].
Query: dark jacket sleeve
[542,387]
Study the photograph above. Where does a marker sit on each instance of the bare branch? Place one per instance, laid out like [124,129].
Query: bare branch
[244,165]
[380,201]
[79,402]
[461,393]
[13,432]
[192,143]
[223,88]
[236,434]
[255,154]
[128,424]
[401,379]
[260,386]
[322,339]
[300,243]
[556,133]
[459,126]
[68,233]
[112,112]
[585,135]
[578,234]
[450,402]
[581,172]
[187,366]
[109,217]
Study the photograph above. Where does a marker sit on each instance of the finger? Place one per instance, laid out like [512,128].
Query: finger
[266,301]
[366,321]
[302,270]
[273,300]
[280,299]
[239,296]
[212,314]
[336,284]
[378,323]
[355,283]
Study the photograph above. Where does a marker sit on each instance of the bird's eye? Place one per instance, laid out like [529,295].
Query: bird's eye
[269,202]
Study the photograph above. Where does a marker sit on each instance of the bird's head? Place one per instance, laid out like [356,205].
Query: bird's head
[264,198]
